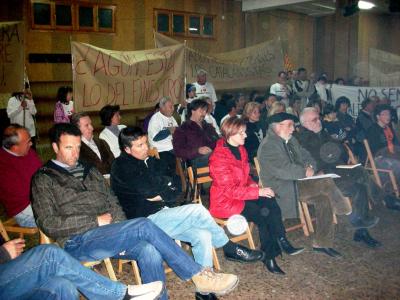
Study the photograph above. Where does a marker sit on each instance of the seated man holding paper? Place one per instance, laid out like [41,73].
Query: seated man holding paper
[331,156]
[282,163]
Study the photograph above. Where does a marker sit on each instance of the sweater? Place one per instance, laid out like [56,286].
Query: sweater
[15,180]
[65,206]
[189,137]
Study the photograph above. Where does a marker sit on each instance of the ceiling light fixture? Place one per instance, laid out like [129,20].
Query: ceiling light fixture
[365,5]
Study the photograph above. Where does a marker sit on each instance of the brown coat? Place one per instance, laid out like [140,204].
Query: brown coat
[88,156]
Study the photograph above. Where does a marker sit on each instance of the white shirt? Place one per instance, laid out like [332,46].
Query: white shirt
[157,123]
[16,114]
[211,120]
[280,90]
[206,90]
[68,108]
[112,140]
[92,145]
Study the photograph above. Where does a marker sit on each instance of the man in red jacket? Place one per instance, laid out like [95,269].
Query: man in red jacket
[18,163]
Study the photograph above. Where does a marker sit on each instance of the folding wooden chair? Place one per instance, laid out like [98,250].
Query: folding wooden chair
[202,176]
[3,232]
[44,239]
[12,226]
[304,214]
[370,165]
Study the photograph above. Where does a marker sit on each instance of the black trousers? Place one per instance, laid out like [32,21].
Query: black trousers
[266,214]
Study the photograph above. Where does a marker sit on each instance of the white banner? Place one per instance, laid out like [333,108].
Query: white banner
[384,68]
[357,94]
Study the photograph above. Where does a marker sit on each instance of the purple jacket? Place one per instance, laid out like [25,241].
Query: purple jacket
[59,114]
[189,137]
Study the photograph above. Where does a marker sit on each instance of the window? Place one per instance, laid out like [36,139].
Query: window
[194,25]
[106,16]
[63,15]
[42,14]
[178,24]
[184,23]
[86,17]
[162,22]
[75,16]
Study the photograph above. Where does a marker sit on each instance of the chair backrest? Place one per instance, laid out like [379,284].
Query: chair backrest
[371,161]
[200,175]
[352,158]
[3,232]
[153,152]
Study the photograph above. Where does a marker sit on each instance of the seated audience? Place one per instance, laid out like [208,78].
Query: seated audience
[190,96]
[384,144]
[241,102]
[64,106]
[48,272]
[346,121]
[254,133]
[331,124]
[94,151]
[161,129]
[365,118]
[294,107]
[74,206]
[18,163]
[209,118]
[111,119]
[266,104]
[145,189]
[221,107]
[329,153]
[234,192]
[232,111]
[21,110]
[283,162]
[195,139]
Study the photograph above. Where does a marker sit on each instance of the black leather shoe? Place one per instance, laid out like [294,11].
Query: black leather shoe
[392,202]
[287,247]
[367,223]
[244,254]
[273,267]
[328,251]
[210,296]
[364,237]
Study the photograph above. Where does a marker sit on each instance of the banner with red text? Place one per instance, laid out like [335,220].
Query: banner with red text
[131,79]
[11,57]
[254,66]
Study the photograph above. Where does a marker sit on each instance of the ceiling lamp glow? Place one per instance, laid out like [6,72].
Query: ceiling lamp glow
[365,5]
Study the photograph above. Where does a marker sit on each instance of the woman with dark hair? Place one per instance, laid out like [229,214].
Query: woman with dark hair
[331,124]
[345,119]
[234,192]
[64,106]
[111,119]
[251,115]
[195,138]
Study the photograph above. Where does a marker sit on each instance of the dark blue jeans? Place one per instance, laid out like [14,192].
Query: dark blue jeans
[137,239]
[48,272]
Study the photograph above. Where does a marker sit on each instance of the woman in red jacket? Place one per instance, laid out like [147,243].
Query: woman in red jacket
[234,192]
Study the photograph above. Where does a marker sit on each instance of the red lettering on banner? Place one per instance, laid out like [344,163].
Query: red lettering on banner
[99,64]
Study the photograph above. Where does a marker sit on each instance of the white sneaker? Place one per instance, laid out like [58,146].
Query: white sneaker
[208,281]
[146,291]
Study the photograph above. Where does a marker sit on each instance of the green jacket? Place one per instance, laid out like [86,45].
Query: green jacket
[279,171]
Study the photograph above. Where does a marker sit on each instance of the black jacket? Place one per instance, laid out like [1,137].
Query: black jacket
[134,181]
[377,140]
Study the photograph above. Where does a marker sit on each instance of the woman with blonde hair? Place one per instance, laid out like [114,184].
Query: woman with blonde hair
[251,115]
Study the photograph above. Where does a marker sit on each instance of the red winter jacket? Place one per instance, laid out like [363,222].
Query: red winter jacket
[231,184]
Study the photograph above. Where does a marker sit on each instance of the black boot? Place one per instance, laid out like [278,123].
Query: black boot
[362,235]
[210,296]
[287,247]
[273,267]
